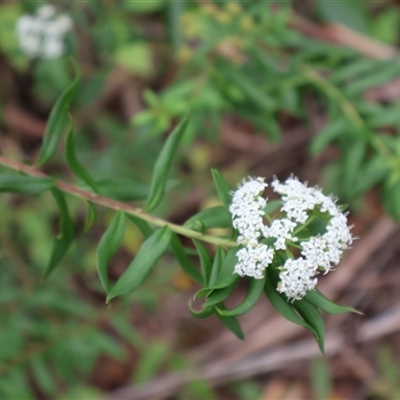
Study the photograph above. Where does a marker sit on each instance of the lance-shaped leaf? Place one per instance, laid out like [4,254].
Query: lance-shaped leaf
[77,168]
[214,217]
[205,312]
[91,215]
[58,120]
[162,166]
[138,270]
[179,252]
[226,276]
[123,189]
[231,323]
[64,239]
[143,226]
[108,246]
[223,190]
[217,266]
[215,298]
[320,301]
[219,295]
[254,293]
[312,316]
[226,273]
[206,261]
[24,184]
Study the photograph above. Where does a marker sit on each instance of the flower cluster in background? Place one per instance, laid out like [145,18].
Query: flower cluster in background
[299,204]
[42,34]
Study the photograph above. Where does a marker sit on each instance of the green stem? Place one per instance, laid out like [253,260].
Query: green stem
[293,244]
[308,222]
[334,93]
[116,205]
[348,109]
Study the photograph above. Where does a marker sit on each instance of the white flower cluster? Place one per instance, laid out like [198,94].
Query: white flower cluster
[247,211]
[42,34]
[322,252]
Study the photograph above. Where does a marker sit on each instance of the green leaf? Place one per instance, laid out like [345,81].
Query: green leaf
[143,226]
[385,25]
[373,172]
[143,7]
[24,184]
[223,189]
[226,275]
[91,215]
[350,13]
[217,266]
[312,316]
[231,323]
[254,92]
[272,127]
[391,198]
[254,293]
[218,295]
[226,278]
[180,254]
[387,71]
[43,376]
[136,57]
[175,10]
[153,358]
[58,120]
[162,166]
[203,313]
[138,270]
[316,298]
[280,303]
[108,246]
[354,69]
[214,217]
[64,239]
[329,133]
[272,206]
[353,159]
[77,168]
[123,189]
[206,261]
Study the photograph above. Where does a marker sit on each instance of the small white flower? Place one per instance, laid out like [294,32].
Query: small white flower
[296,279]
[281,229]
[247,209]
[42,34]
[52,48]
[64,23]
[30,45]
[25,24]
[316,252]
[252,261]
[45,11]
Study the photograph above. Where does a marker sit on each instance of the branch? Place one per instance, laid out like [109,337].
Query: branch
[116,205]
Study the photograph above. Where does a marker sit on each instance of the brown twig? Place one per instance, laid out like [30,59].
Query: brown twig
[341,35]
[115,205]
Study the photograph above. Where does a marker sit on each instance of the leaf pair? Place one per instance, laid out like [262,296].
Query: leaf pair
[149,253]
[304,312]
[34,185]
[58,120]
[219,282]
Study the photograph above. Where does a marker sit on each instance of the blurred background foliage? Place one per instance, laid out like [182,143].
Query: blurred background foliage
[231,65]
